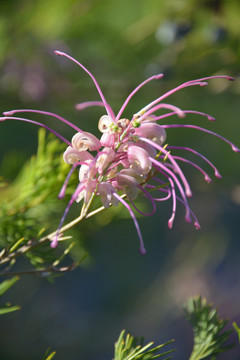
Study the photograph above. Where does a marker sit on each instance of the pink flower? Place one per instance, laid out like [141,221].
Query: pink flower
[72,156]
[131,157]
[87,190]
[105,157]
[139,159]
[127,183]
[106,191]
[85,141]
[87,170]
[152,131]
[108,139]
[106,124]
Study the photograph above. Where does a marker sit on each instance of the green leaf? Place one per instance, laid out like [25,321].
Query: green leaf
[48,356]
[130,348]
[209,337]
[7,284]
[237,330]
[7,309]
[30,201]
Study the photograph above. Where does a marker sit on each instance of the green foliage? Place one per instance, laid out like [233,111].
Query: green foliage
[33,195]
[130,348]
[237,330]
[5,286]
[49,356]
[30,201]
[155,30]
[7,309]
[209,336]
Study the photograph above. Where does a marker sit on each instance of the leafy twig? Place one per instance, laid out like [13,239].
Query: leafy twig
[130,348]
[209,336]
[42,272]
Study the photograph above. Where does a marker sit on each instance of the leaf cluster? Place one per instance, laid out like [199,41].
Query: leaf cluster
[208,329]
[31,200]
[132,348]
[49,355]
[33,195]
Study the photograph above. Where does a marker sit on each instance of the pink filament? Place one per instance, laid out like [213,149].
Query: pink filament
[146,193]
[63,189]
[36,123]
[176,110]
[174,206]
[170,157]
[234,147]
[154,77]
[206,176]
[200,82]
[107,107]
[175,90]
[158,165]
[12,112]
[84,105]
[142,249]
[196,222]
[217,174]
[209,117]
[163,190]
[79,188]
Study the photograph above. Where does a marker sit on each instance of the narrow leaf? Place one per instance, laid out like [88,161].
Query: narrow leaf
[8,309]
[237,330]
[48,356]
[7,284]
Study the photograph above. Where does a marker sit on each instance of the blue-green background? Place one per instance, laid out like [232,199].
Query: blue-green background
[123,42]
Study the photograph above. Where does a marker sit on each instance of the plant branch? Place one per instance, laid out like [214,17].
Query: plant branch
[43,272]
[7,256]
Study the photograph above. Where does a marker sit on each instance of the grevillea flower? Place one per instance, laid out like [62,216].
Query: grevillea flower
[132,156]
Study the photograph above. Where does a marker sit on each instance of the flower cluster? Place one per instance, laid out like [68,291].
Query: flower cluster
[131,157]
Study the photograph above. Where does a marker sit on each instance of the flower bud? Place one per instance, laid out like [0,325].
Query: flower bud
[87,170]
[152,132]
[86,193]
[85,141]
[139,159]
[128,185]
[104,124]
[108,139]
[104,158]
[149,148]
[72,156]
[106,190]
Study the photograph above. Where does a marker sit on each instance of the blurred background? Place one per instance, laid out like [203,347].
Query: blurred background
[123,42]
